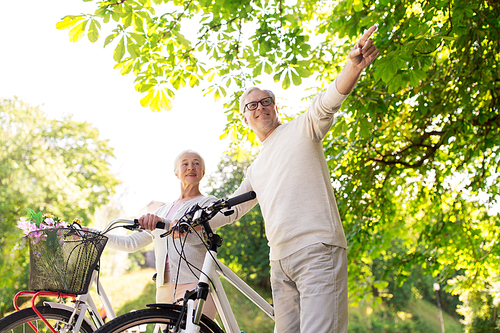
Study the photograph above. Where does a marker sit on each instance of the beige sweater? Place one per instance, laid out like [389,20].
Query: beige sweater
[292,182]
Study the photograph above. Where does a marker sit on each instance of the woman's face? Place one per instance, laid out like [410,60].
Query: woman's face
[189,168]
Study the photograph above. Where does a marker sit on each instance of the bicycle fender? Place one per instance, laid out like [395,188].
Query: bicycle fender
[164,306]
[55,305]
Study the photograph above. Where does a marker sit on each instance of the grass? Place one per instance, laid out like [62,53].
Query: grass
[420,317]
[428,312]
[249,317]
[128,292]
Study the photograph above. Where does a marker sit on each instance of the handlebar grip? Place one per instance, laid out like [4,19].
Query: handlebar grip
[240,199]
[159,225]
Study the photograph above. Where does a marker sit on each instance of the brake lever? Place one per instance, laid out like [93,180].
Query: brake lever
[130,227]
[166,234]
[183,228]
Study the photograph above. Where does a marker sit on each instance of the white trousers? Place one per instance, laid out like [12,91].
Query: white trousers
[209,309]
[165,294]
[310,290]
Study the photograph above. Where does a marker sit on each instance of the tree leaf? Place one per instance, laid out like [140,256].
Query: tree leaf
[109,39]
[257,70]
[68,22]
[193,80]
[139,38]
[78,31]
[156,103]
[119,50]
[303,72]
[364,127]
[296,78]
[267,68]
[93,33]
[138,23]
[165,102]
[132,48]
[286,81]
[146,100]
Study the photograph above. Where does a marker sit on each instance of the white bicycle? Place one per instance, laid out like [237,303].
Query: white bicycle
[79,252]
[187,316]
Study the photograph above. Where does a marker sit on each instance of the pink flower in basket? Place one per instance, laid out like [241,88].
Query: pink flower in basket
[26,225]
[37,236]
[34,224]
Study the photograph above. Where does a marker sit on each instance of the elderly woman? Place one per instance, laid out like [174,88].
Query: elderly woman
[174,276]
[190,169]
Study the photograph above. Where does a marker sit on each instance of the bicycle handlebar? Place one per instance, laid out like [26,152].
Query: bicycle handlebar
[195,216]
[201,215]
[131,224]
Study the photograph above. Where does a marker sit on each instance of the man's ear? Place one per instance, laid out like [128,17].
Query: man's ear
[245,119]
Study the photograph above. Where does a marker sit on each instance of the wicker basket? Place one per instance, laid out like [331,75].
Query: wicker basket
[63,260]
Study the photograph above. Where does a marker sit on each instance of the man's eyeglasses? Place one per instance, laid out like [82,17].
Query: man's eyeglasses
[254,105]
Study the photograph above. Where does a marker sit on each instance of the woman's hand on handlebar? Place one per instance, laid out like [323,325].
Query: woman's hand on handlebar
[148,221]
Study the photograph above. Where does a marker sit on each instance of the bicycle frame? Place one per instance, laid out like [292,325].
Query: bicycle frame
[212,270]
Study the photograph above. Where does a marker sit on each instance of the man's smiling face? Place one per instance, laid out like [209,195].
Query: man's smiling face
[264,119]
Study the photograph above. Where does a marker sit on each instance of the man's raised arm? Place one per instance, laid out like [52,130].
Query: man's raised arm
[360,57]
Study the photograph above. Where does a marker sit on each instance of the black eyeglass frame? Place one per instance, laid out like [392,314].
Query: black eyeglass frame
[257,104]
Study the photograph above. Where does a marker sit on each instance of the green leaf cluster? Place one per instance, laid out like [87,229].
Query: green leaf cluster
[415,155]
[37,217]
[167,45]
[58,166]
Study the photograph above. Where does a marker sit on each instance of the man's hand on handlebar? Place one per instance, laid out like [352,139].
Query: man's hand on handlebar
[148,221]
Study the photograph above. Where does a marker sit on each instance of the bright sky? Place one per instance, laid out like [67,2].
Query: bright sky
[41,66]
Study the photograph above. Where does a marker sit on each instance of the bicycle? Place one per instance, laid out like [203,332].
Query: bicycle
[186,317]
[80,248]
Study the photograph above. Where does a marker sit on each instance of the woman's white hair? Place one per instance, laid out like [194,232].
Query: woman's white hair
[249,90]
[176,161]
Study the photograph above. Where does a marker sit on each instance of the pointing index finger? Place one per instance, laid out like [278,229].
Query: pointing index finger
[367,35]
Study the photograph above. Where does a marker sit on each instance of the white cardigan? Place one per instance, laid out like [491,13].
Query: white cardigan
[194,250]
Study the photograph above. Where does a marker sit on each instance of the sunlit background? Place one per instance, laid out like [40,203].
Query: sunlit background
[41,66]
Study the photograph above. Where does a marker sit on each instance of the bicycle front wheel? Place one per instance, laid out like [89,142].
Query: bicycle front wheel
[153,321]
[18,322]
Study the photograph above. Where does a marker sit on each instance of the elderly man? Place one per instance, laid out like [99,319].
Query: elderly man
[292,182]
